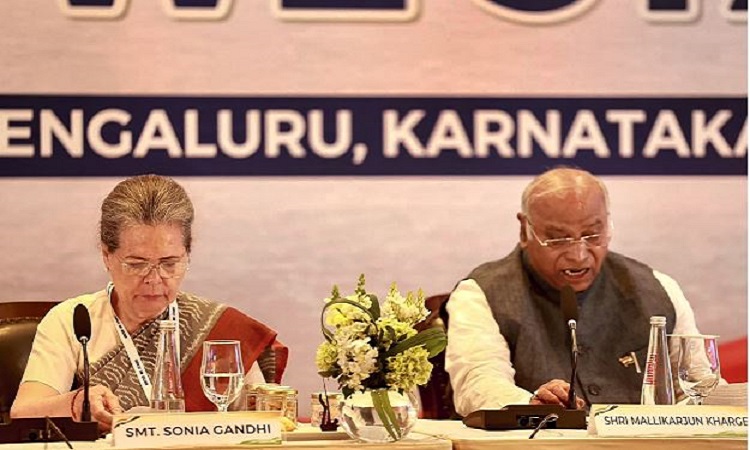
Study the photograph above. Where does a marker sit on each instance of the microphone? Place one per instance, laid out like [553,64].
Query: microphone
[569,306]
[82,329]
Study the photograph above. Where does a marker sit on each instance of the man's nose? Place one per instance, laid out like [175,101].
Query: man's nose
[578,251]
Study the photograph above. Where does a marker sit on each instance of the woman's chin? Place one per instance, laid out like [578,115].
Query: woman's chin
[151,305]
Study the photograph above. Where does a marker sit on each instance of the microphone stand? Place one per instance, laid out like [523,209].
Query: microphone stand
[573,363]
[86,410]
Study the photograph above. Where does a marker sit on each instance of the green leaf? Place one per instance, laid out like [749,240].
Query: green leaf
[391,333]
[383,407]
[433,339]
[374,307]
[347,391]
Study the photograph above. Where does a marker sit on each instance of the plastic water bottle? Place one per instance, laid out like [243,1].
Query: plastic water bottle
[166,393]
[657,380]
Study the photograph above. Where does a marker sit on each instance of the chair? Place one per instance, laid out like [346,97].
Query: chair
[18,321]
[437,395]
[272,362]
[733,356]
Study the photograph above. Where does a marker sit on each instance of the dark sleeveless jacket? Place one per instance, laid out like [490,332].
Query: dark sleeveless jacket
[612,322]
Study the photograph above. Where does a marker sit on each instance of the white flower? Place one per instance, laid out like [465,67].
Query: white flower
[410,309]
[352,332]
[357,360]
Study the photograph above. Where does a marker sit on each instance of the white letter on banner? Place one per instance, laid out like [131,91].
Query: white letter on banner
[157,134]
[395,133]
[500,139]
[193,147]
[548,139]
[343,134]
[7,133]
[740,147]
[72,139]
[276,137]
[94,134]
[704,133]
[585,134]
[666,134]
[625,119]
[448,134]
[226,134]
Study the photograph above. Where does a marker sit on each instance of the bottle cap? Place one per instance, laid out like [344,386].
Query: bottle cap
[253,387]
[658,320]
[331,395]
[277,389]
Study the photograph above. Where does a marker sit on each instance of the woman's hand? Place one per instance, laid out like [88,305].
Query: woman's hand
[555,392]
[104,405]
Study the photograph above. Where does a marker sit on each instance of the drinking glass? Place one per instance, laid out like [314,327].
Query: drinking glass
[222,373]
[698,368]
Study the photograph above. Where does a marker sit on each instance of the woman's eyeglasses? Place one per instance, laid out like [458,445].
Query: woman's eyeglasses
[168,268]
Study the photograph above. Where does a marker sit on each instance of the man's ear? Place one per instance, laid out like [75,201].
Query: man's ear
[523,237]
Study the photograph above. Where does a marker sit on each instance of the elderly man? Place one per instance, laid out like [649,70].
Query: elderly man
[507,340]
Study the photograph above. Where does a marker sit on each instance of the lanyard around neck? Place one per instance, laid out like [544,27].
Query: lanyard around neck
[127,341]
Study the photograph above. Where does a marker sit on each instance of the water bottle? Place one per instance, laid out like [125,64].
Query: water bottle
[166,393]
[657,379]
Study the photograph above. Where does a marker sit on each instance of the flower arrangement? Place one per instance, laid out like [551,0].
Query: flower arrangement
[369,347]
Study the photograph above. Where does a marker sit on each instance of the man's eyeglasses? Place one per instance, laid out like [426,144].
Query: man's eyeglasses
[168,268]
[591,240]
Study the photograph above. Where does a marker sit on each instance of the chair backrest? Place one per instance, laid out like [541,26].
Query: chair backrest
[733,356]
[273,361]
[437,395]
[18,321]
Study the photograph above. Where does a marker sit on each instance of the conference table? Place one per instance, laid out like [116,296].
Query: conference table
[464,438]
[443,435]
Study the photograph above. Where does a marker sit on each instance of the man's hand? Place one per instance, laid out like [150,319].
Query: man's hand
[104,405]
[555,392]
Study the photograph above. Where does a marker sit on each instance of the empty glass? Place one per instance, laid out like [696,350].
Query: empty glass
[222,374]
[698,368]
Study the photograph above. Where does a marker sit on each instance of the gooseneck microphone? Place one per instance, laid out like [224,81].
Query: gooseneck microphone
[569,306]
[82,329]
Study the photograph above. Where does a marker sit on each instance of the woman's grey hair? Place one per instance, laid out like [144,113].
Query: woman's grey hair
[560,179]
[145,200]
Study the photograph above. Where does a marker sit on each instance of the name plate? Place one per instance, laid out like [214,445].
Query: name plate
[668,420]
[162,430]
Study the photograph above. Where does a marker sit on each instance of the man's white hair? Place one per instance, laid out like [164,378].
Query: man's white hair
[560,179]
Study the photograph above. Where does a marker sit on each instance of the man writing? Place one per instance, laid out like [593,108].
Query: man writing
[507,340]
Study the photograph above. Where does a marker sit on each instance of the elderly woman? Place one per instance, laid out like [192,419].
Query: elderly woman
[146,235]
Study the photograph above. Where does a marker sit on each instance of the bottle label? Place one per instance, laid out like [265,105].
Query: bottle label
[650,369]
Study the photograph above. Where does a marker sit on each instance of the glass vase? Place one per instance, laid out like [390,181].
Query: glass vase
[361,420]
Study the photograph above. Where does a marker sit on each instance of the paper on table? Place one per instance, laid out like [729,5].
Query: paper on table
[734,394]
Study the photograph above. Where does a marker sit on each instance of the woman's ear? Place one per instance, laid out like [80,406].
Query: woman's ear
[105,258]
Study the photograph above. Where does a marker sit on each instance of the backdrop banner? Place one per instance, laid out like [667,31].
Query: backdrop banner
[125,135]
